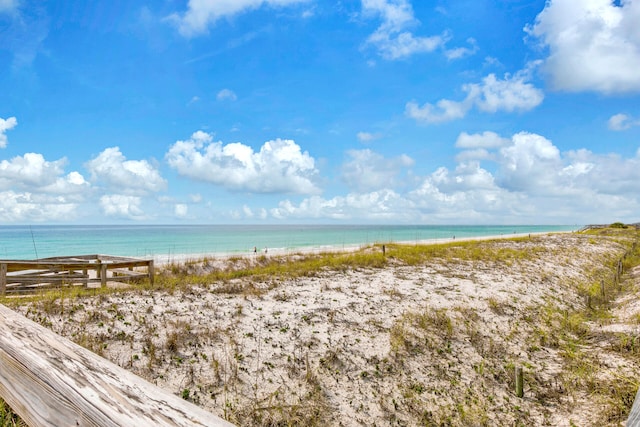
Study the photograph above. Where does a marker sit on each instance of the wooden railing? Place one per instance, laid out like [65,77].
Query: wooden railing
[29,275]
[50,381]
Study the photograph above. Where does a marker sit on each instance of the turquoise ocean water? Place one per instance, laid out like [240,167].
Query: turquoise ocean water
[168,241]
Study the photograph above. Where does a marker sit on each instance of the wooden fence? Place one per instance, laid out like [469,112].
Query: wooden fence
[50,381]
[29,275]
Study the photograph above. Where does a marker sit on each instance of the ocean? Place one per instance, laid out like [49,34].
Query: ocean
[169,242]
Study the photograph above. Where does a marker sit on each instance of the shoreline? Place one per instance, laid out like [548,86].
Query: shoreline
[164,260]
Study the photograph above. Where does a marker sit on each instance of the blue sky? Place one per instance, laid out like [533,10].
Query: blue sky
[309,111]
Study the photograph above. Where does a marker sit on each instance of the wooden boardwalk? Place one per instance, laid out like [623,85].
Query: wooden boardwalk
[85,270]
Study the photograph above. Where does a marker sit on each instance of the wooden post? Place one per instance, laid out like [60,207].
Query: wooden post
[602,288]
[3,278]
[588,301]
[620,268]
[384,250]
[152,272]
[102,273]
[519,382]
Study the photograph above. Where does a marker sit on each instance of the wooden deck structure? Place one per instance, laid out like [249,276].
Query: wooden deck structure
[85,270]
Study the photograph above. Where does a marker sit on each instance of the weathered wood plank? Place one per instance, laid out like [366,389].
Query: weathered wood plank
[634,414]
[50,381]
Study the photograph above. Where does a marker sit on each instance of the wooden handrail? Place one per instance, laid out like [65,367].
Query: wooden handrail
[59,270]
[50,381]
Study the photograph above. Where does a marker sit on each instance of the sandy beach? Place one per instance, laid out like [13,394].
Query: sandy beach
[427,343]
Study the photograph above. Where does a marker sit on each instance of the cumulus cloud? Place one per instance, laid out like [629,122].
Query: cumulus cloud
[367,170]
[33,189]
[511,93]
[530,163]
[476,146]
[279,167]
[619,122]
[391,38]
[532,182]
[33,173]
[201,14]
[122,206]
[135,177]
[384,205]
[5,125]
[28,207]
[226,95]
[593,45]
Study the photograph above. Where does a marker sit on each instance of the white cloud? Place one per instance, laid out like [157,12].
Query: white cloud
[444,111]
[619,122]
[125,176]
[533,182]
[461,52]
[279,167]
[33,173]
[530,163]
[367,170]
[593,45]
[383,205]
[512,93]
[33,189]
[391,38]
[368,136]
[476,145]
[485,139]
[27,208]
[5,125]
[122,206]
[201,14]
[180,210]
[226,95]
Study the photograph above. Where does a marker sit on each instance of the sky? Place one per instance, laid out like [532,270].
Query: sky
[319,111]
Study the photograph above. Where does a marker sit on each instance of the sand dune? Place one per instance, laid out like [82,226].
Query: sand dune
[435,343]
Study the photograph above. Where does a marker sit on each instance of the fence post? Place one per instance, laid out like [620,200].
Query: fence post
[519,382]
[151,272]
[3,278]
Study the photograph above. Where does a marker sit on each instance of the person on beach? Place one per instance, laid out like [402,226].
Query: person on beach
[255,250]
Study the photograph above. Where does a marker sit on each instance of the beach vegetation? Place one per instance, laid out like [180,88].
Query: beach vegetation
[8,418]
